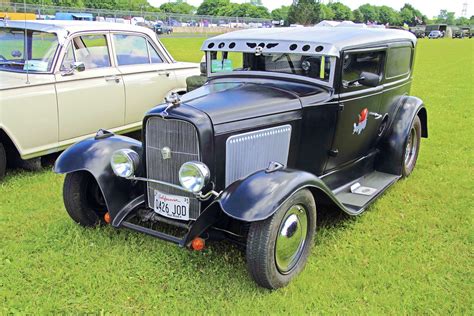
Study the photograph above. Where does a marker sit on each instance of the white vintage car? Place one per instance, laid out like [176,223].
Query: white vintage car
[61,81]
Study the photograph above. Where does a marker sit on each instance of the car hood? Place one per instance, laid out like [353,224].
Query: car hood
[232,101]
[13,80]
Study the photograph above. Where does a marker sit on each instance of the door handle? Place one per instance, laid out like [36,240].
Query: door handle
[164,73]
[375,115]
[112,78]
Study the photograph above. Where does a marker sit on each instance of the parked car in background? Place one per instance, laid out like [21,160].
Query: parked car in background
[462,32]
[291,122]
[74,77]
[74,16]
[435,34]
[161,28]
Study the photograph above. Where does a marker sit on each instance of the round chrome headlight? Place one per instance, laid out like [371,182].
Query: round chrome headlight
[124,162]
[193,176]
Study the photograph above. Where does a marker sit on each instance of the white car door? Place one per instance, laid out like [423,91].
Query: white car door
[147,76]
[93,98]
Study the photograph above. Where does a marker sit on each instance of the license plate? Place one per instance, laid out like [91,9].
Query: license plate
[172,206]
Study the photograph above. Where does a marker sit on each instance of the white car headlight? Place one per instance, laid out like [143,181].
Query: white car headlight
[124,162]
[193,176]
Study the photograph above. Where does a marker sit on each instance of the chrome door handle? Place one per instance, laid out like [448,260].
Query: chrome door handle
[112,78]
[165,73]
[375,115]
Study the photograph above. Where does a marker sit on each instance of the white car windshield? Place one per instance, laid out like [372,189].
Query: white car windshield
[28,50]
[313,67]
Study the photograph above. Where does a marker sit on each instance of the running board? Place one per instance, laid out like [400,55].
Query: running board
[358,194]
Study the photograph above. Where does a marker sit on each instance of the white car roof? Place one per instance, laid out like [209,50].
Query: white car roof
[308,40]
[62,27]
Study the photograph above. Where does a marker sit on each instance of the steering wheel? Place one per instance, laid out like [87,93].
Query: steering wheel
[2,58]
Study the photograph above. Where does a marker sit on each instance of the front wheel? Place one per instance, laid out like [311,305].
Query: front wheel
[278,247]
[412,147]
[83,199]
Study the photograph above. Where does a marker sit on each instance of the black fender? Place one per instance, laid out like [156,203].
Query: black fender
[93,155]
[258,196]
[393,143]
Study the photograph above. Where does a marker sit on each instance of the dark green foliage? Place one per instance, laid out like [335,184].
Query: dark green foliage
[341,11]
[177,7]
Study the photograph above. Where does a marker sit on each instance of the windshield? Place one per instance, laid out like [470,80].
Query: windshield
[314,67]
[35,53]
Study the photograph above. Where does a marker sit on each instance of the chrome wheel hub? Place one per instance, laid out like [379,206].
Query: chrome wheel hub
[291,238]
[410,150]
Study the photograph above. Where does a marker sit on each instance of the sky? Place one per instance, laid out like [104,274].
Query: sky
[429,7]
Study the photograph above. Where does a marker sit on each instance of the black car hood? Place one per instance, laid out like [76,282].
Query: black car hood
[232,101]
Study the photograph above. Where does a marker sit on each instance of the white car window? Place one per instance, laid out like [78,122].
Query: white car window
[68,58]
[92,50]
[131,50]
[154,56]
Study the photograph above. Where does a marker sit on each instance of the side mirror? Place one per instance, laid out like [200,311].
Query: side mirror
[369,79]
[75,66]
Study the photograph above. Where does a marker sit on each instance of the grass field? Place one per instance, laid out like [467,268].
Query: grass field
[410,253]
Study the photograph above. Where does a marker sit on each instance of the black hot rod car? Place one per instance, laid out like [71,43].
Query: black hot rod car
[290,121]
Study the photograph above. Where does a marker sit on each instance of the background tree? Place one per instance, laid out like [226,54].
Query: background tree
[280,13]
[180,7]
[341,11]
[389,15]
[462,21]
[69,3]
[445,17]
[411,16]
[304,12]
[211,7]
[369,12]
[357,16]
[325,12]
[103,4]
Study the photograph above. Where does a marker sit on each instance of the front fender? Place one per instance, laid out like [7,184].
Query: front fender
[93,155]
[392,146]
[259,196]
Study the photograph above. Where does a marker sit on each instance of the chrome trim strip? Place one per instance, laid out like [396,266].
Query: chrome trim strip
[158,182]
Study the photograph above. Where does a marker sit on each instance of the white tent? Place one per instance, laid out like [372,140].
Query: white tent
[350,24]
[327,23]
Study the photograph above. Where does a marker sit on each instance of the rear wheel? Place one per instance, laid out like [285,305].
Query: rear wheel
[412,147]
[3,161]
[83,199]
[278,247]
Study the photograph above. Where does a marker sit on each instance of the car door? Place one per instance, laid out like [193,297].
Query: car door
[146,74]
[358,120]
[93,98]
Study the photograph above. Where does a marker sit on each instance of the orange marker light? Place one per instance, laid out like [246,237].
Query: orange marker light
[107,218]
[198,244]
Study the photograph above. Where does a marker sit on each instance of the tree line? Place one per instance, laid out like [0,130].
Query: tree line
[305,12]
[313,11]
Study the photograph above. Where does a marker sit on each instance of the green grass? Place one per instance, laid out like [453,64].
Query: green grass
[410,253]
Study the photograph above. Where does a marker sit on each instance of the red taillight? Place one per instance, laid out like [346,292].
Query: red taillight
[198,244]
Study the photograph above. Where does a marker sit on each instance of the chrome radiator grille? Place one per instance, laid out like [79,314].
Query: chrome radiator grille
[182,139]
[249,152]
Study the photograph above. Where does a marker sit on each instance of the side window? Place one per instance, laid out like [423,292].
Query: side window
[68,58]
[154,57]
[131,50]
[398,61]
[92,50]
[355,63]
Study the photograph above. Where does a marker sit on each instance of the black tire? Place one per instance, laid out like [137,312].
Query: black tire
[3,162]
[262,241]
[33,164]
[83,199]
[411,147]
